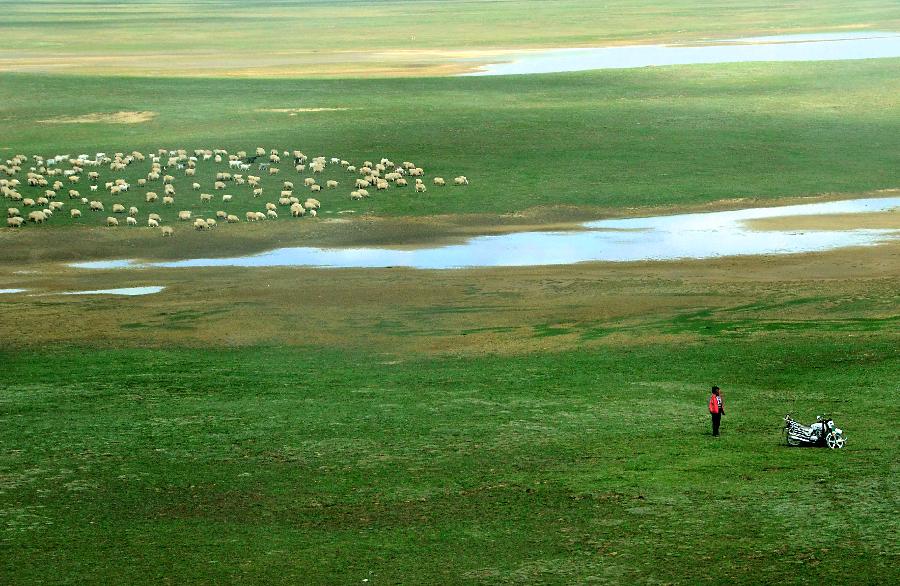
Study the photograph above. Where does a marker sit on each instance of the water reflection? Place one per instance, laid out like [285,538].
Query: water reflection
[680,236]
[803,47]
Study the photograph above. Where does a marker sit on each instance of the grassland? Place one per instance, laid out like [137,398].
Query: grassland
[534,424]
[315,38]
[541,424]
[673,137]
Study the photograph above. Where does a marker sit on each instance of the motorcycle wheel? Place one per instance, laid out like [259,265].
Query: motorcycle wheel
[834,441]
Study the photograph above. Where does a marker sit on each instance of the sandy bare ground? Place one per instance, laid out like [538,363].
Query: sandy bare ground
[874,221]
[123,117]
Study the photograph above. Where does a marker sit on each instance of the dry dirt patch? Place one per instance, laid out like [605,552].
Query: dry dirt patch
[104,118]
[868,221]
[293,111]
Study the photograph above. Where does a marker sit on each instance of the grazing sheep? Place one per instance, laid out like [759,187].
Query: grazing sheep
[200,224]
[73,193]
[260,216]
[14,222]
[56,205]
[169,190]
[28,202]
[226,198]
[363,192]
[362,183]
[210,224]
[272,214]
[315,188]
[273,171]
[287,193]
[219,185]
[232,219]
[167,200]
[311,204]
[288,185]
[309,181]
[461,180]
[417,172]
[355,195]
[131,221]
[284,201]
[312,213]
[401,182]
[118,208]
[155,217]
[184,215]
[221,215]
[96,206]
[93,188]
[251,216]
[151,197]
[141,182]
[12,212]
[37,217]
[167,231]
[271,206]
[132,211]
[439,181]
[351,169]
[257,192]
[297,210]
[195,186]
[331,183]
[151,223]
[420,188]
[381,185]
[205,197]
[42,201]
[75,213]
[111,221]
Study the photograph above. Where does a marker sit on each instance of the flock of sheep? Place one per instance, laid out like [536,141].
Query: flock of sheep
[38,188]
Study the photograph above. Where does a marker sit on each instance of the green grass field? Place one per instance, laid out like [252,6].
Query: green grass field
[532,424]
[675,136]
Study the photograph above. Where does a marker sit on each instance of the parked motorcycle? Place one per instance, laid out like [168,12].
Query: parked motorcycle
[821,433]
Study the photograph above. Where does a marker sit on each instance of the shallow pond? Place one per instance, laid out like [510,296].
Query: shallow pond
[9,291]
[805,47]
[682,236]
[130,291]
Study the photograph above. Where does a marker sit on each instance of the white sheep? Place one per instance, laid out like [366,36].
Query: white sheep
[28,202]
[14,222]
[221,215]
[461,180]
[75,213]
[257,192]
[297,210]
[205,197]
[210,223]
[309,181]
[96,206]
[151,197]
[132,211]
[155,217]
[232,219]
[420,188]
[226,198]
[131,221]
[331,183]
[312,213]
[439,181]
[355,195]
[251,216]
[111,221]
[271,206]
[167,231]
[168,200]
[219,185]
[12,212]
[118,208]
[272,214]
[200,224]
[260,216]
[151,223]
[184,215]
[195,186]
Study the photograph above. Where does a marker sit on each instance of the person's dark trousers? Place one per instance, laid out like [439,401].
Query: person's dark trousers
[716,419]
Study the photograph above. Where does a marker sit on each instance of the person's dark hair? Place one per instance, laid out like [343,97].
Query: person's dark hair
[715,390]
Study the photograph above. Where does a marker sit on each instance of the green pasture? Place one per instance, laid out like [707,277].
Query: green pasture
[675,136]
[312,465]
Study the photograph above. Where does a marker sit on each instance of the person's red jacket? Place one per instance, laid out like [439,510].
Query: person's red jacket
[715,403]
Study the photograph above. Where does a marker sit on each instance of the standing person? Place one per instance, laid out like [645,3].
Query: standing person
[716,410]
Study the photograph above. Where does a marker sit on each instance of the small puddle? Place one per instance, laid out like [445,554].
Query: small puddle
[683,236]
[130,291]
[803,47]
[7,291]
